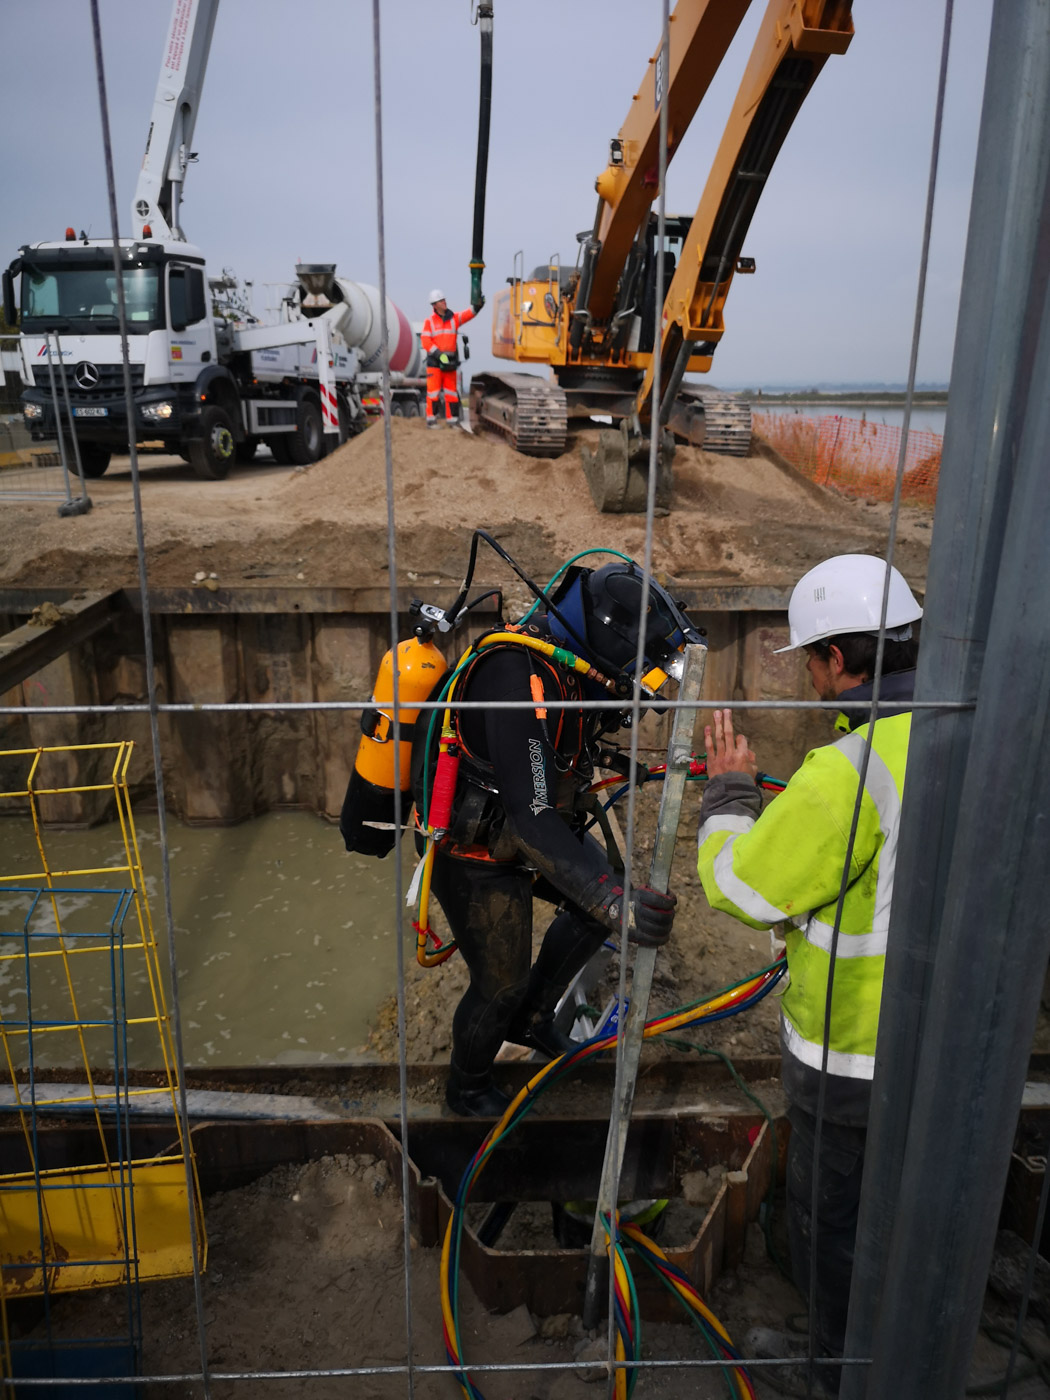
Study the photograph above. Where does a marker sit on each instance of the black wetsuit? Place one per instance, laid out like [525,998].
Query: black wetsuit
[523,780]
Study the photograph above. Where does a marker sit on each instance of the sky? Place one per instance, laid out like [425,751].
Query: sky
[287,170]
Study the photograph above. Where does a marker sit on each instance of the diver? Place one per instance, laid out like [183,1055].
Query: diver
[519,817]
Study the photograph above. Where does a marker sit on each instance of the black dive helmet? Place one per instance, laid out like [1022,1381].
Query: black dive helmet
[602,607]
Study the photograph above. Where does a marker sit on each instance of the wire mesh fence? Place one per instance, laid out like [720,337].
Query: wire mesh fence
[28,471]
[839,455]
[856,456]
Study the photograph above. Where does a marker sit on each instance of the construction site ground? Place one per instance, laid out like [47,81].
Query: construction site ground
[306,1266]
[743,520]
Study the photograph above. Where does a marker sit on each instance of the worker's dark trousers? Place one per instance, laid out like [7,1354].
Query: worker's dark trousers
[489,910]
[840,1168]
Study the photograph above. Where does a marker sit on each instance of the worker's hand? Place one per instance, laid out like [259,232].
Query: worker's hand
[653,916]
[727,752]
[481,303]
[443,359]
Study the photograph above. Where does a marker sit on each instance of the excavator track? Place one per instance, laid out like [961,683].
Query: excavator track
[716,421]
[529,411]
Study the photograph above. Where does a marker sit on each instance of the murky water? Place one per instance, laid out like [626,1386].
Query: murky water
[285,942]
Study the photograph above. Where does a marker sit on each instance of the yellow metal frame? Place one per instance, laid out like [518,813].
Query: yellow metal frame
[125,1219]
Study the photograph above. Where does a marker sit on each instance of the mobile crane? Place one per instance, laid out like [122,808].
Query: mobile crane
[595,324]
[208,379]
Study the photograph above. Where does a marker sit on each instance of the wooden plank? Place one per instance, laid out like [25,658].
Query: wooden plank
[45,637]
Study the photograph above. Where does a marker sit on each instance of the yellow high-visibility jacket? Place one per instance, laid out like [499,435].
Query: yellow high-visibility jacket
[786,864]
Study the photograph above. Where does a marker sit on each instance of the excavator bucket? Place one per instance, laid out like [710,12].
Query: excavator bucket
[617,471]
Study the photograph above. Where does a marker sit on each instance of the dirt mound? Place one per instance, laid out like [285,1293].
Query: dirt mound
[735,520]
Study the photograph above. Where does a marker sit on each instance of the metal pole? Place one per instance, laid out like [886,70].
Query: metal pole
[989,968]
[679,753]
[993,381]
[58,412]
[82,506]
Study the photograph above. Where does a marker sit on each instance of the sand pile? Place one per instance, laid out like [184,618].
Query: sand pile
[735,520]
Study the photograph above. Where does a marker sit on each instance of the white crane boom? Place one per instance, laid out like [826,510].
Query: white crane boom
[158,192]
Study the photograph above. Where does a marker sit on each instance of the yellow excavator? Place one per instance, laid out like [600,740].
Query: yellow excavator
[595,323]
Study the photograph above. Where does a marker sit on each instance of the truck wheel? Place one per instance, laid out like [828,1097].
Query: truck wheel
[307,442]
[344,421]
[246,450]
[93,459]
[212,455]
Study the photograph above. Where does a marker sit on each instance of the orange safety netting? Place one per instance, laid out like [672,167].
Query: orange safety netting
[855,456]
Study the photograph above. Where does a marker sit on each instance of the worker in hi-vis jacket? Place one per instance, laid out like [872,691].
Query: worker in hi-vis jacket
[440,340]
[784,865]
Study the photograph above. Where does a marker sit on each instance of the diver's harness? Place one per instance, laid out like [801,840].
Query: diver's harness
[472,827]
[465,818]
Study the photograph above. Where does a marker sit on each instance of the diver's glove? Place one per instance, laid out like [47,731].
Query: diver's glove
[653,917]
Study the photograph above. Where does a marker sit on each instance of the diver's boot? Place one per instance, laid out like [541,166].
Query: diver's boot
[474,1095]
[543,1035]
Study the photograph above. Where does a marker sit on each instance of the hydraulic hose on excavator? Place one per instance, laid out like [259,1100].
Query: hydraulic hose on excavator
[483,19]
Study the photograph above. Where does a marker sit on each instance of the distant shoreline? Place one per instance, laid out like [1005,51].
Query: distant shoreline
[928,398]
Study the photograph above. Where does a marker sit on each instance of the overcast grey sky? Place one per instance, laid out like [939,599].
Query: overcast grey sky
[287,171]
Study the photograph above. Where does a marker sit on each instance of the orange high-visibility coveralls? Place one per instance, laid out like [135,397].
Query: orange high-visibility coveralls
[440,337]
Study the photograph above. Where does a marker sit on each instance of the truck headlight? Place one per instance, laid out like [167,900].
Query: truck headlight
[157,412]
[32,410]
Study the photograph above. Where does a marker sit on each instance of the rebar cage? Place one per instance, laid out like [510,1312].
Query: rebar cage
[80,977]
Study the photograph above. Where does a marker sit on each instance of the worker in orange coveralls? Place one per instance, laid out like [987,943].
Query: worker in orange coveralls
[440,339]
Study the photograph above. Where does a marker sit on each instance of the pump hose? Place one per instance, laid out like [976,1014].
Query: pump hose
[477,265]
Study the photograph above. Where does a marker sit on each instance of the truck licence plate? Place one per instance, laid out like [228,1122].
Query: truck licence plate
[90,412]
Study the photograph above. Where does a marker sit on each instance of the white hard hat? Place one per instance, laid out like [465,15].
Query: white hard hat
[436,295]
[844,594]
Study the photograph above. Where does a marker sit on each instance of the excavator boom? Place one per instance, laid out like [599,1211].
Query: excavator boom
[700,33]
[792,45]
[647,294]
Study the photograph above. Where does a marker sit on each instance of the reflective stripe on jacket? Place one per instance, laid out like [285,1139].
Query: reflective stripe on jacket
[787,866]
[442,335]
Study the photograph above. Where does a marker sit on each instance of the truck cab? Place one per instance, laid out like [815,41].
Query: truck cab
[70,329]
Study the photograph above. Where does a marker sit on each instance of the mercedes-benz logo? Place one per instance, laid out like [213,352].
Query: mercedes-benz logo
[86,374]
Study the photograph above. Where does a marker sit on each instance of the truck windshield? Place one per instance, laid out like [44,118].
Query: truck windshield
[84,299]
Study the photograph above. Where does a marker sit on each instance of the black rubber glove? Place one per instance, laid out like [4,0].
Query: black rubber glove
[653,913]
[653,916]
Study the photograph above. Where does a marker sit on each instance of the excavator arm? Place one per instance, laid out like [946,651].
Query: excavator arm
[700,33]
[636,301]
[793,43]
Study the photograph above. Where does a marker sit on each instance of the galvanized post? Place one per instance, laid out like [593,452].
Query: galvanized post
[967,949]
[679,752]
[58,411]
[84,504]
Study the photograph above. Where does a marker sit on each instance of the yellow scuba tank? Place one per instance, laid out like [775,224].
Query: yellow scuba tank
[367,821]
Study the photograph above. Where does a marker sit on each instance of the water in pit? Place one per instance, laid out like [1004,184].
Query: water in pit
[285,942]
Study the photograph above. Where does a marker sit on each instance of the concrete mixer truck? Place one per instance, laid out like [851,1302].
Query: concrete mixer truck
[208,379]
